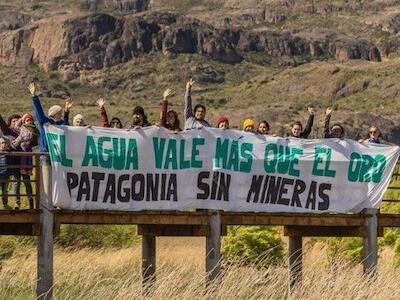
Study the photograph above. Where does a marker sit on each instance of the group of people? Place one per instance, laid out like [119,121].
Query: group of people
[20,134]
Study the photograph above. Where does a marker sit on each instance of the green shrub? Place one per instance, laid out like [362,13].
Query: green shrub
[348,248]
[97,236]
[257,245]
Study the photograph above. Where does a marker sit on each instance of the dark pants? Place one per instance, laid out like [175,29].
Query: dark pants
[4,189]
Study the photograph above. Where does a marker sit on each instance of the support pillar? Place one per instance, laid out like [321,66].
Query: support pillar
[44,287]
[295,262]
[148,261]
[213,248]
[370,242]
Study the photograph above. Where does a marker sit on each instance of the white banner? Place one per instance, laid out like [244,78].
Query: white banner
[155,169]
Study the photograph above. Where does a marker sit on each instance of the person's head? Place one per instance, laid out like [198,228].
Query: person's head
[248,125]
[13,120]
[337,131]
[374,133]
[223,123]
[138,116]
[116,123]
[56,112]
[297,129]
[78,120]
[172,119]
[27,119]
[4,144]
[199,112]
[263,127]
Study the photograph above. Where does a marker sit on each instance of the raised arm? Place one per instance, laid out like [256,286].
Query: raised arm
[188,112]
[164,107]
[327,121]
[103,113]
[310,122]
[37,106]
[68,105]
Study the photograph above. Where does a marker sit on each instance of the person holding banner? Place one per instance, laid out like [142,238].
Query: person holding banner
[336,131]
[222,123]
[115,122]
[263,128]
[194,119]
[139,118]
[54,117]
[248,125]
[169,118]
[374,136]
[297,128]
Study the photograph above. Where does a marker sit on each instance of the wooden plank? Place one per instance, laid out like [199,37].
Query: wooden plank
[295,262]
[213,248]
[292,219]
[389,220]
[337,231]
[44,285]
[148,262]
[177,230]
[19,216]
[24,229]
[370,243]
[149,218]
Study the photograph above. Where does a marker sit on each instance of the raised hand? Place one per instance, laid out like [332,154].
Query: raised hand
[32,88]
[311,110]
[68,104]
[101,103]
[190,84]
[329,110]
[167,93]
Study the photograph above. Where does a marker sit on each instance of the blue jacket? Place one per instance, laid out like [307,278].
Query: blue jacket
[43,119]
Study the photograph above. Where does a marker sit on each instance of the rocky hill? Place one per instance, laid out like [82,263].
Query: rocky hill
[265,59]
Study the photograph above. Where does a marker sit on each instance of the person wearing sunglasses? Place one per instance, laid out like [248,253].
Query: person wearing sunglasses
[374,136]
[114,123]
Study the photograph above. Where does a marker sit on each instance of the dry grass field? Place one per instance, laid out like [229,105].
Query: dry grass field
[115,274]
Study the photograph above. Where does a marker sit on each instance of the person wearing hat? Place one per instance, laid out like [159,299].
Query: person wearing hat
[222,123]
[248,125]
[27,139]
[114,123]
[139,118]
[336,131]
[55,116]
[296,129]
[194,119]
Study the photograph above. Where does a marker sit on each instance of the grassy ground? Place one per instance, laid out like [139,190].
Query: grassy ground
[115,274]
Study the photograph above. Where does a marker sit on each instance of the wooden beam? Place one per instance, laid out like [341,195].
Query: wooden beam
[292,219]
[44,285]
[295,262]
[19,216]
[389,220]
[370,242]
[177,230]
[126,218]
[213,248]
[327,231]
[148,262]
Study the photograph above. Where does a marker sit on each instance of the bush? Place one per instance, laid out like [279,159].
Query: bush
[348,248]
[97,236]
[257,245]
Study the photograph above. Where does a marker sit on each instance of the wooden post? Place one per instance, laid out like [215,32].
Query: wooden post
[295,261]
[370,242]
[44,288]
[148,261]
[213,247]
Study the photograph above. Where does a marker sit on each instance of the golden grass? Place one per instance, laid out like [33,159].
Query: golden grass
[115,274]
